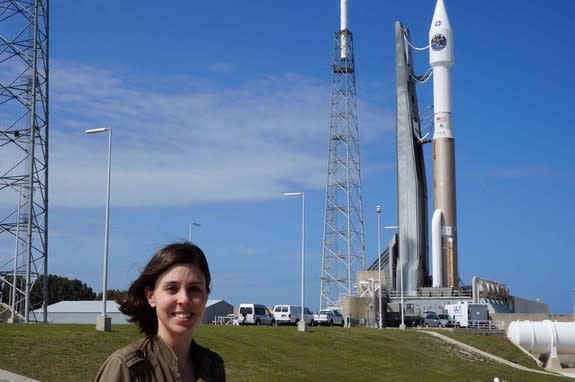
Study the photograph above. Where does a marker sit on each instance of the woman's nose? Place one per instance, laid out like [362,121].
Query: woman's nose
[183,296]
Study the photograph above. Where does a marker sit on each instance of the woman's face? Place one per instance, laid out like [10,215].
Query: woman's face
[179,297]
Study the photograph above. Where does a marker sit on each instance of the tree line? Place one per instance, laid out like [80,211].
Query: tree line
[59,289]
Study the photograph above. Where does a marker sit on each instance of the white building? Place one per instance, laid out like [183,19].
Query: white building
[82,312]
[85,312]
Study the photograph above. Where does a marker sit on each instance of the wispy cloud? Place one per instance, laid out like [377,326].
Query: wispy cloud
[199,144]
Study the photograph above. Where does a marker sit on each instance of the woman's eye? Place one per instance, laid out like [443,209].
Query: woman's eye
[196,290]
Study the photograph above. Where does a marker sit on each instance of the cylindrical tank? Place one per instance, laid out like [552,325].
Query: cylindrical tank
[539,337]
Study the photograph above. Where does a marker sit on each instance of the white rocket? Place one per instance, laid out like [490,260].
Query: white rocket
[444,222]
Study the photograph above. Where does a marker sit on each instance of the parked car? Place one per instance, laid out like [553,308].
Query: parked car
[291,314]
[308,316]
[328,317]
[446,320]
[255,314]
[434,320]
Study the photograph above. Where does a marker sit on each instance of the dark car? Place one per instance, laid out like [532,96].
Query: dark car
[434,320]
[446,320]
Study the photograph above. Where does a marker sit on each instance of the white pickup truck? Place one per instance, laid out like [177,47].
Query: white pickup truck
[328,317]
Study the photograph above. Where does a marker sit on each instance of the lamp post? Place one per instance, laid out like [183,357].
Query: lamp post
[104,323]
[378,212]
[402,326]
[190,233]
[573,304]
[301,326]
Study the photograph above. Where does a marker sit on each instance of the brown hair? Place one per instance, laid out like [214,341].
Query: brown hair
[136,304]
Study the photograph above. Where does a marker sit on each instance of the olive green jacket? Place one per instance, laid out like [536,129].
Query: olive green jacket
[152,360]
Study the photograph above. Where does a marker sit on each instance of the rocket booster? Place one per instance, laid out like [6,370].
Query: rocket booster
[441,60]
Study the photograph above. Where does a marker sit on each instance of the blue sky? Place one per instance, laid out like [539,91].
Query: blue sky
[219,107]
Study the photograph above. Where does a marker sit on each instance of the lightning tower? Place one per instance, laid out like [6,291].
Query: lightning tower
[343,243]
[23,158]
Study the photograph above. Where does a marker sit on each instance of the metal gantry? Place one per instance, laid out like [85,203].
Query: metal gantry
[23,159]
[343,244]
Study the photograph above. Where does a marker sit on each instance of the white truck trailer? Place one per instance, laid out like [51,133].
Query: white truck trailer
[468,315]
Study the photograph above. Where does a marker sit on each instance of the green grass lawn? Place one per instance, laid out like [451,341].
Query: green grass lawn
[58,352]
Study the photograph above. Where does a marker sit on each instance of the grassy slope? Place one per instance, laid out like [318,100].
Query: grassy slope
[499,345]
[74,353]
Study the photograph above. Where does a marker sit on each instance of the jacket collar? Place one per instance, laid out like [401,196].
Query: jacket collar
[199,355]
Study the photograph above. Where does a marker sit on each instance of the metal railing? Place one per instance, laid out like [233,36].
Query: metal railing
[432,292]
[225,320]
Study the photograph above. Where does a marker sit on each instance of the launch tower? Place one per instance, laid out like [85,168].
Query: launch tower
[412,265]
[23,158]
[343,244]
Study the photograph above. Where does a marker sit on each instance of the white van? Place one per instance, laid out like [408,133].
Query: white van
[291,314]
[254,314]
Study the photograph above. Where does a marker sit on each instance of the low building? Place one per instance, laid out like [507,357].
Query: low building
[216,308]
[82,312]
[85,312]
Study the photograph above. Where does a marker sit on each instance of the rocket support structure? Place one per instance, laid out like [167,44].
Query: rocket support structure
[412,265]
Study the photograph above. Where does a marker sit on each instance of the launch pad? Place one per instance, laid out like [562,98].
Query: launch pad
[400,283]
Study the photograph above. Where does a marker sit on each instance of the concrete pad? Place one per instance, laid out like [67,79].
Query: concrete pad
[6,376]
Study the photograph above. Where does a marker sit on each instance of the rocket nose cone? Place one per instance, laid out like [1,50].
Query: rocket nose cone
[440,18]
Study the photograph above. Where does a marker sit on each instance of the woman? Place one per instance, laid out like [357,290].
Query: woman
[167,302]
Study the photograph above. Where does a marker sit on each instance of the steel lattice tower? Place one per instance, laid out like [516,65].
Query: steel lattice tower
[343,243]
[23,158]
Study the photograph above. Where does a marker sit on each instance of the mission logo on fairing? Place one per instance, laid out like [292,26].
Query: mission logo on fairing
[438,42]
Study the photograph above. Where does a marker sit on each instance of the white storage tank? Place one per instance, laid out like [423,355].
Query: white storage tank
[540,337]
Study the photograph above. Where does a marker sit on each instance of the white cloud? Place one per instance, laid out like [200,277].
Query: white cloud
[199,144]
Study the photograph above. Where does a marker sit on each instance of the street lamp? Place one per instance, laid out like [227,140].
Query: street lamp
[301,327]
[190,234]
[378,212]
[104,323]
[402,326]
[573,304]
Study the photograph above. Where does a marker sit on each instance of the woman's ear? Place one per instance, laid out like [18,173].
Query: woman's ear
[150,297]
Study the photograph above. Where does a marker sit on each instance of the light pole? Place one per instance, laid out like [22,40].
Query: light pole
[573,304]
[190,233]
[104,323]
[402,326]
[378,212]
[301,326]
